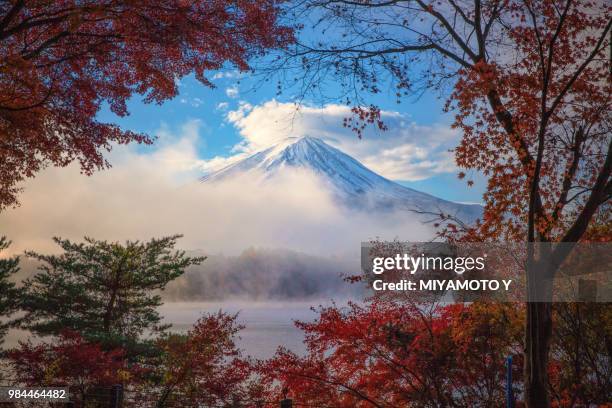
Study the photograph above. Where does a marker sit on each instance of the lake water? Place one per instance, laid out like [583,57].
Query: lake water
[268,325]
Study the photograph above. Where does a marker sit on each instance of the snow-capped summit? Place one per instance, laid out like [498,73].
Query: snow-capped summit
[352,183]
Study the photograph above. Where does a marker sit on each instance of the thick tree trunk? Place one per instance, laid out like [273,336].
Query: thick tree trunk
[541,268]
[538,335]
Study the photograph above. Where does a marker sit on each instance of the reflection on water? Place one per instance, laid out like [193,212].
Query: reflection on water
[268,325]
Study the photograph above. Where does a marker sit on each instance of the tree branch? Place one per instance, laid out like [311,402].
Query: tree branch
[569,174]
[478,28]
[46,44]
[449,28]
[599,192]
[6,20]
[580,69]
[461,13]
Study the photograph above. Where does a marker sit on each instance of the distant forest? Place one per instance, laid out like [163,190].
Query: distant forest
[261,274]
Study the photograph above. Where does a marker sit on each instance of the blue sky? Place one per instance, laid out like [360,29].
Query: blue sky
[218,135]
[153,190]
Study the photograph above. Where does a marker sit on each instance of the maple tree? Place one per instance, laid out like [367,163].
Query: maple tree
[529,83]
[202,367]
[108,292]
[71,362]
[395,354]
[61,61]
[384,354]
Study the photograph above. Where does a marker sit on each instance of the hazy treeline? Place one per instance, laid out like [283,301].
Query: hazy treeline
[264,274]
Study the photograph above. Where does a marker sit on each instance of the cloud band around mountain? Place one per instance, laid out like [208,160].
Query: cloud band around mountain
[407,151]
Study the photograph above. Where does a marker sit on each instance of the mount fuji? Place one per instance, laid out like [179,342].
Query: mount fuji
[352,184]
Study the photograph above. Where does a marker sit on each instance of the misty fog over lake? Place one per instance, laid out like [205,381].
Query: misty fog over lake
[268,288]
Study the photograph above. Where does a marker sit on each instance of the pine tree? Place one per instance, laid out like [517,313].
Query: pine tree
[106,291]
[9,292]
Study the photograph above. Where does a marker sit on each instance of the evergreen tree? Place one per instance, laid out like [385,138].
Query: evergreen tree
[9,293]
[106,291]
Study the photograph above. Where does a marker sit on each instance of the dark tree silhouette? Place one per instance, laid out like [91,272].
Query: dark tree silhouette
[10,294]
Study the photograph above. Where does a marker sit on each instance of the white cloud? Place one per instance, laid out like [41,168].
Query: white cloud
[196,102]
[227,74]
[407,151]
[155,193]
[222,106]
[232,91]
[218,162]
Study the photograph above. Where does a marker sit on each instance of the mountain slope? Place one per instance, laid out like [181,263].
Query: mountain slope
[353,184]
